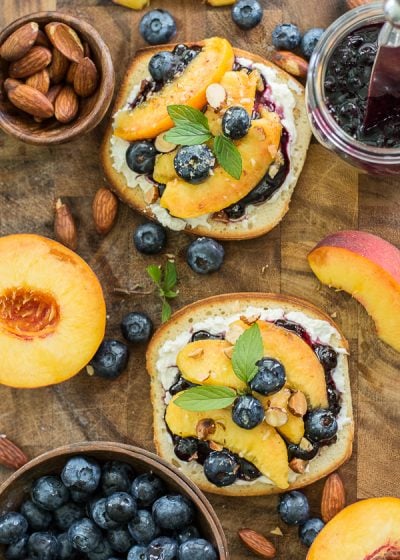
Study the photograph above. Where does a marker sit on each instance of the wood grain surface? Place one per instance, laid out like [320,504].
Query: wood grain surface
[329,196]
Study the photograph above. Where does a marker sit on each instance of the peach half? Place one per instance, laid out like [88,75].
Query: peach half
[366,530]
[368,268]
[52,312]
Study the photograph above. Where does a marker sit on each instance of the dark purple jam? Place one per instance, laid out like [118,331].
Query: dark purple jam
[205,335]
[346,90]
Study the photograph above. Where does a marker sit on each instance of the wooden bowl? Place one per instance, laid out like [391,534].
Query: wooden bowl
[16,488]
[15,122]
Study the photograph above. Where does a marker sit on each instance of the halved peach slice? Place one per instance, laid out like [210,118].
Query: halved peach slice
[368,268]
[52,312]
[257,149]
[150,118]
[262,445]
[366,530]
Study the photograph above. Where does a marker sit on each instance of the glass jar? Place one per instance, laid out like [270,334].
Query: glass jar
[371,159]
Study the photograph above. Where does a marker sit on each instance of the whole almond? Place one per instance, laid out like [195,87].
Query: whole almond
[333,497]
[298,465]
[71,72]
[257,543]
[19,42]
[34,61]
[104,208]
[42,40]
[29,99]
[11,456]
[85,77]
[39,81]
[65,39]
[53,92]
[291,63]
[66,105]
[64,226]
[58,67]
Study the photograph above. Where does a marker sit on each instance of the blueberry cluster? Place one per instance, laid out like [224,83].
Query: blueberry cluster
[103,513]
[287,36]
[164,66]
[294,509]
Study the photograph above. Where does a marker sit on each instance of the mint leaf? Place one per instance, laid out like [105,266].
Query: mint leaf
[170,294]
[246,352]
[179,113]
[203,398]
[165,280]
[228,156]
[170,277]
[188,134]
[155,273]
[166,311]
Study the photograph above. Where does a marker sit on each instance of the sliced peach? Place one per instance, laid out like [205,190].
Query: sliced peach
[262,445]
[366,530]
[257,149]
[52,312]
[150,118]
[368,268]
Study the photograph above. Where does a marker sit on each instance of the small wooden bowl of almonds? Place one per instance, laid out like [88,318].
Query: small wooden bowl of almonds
[56,78]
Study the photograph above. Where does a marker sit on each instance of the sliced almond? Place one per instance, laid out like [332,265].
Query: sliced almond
[205,427]
[162,145]
[298,404]
[85,77]
[58,67]
[233,333]
[29,99]
[65,39]
[39,81]
[151,195]
[280,399]
[276,417]
[220,216]
[229,352]
[305,444]
[34,61]
[18,43]
[249,320]
[196,353]
[66,105]
[277,531]
[215,95]
[215,446]
[298,465]
[260,86]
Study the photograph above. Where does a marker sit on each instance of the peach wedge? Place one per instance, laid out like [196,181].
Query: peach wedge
[366,530]
[52,312]
[368,268]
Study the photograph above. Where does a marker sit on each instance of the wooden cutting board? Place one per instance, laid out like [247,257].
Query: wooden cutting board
[329,196]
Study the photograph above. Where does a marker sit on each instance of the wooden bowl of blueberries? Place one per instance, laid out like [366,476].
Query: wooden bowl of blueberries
[106,501]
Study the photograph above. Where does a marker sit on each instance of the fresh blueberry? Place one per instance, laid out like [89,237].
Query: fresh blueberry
[310,530]
[203,451]
[116,477]
[247,471]
[84,535]
[247,412]
[150,238]
[162,548]
[157,27]
[68,514]
[65,550]
[110,359]
[197,549]
[146,488]
[49,492]
[173,512]
[235,211]
[121,507]
[137,327]
[39,519]
[205,255]
[306,452]
[320,425]
[270,377]
[309,41]
[142,527]
[81,473]
[162,66]
[247,13]
[221,468]
[185,53]
[180,385]
[120,539]
[138,552]
[235,123]
[141,156]
[187,533]
[103,551]
[194,163]
[294,508]
[100,516]
[186,448]
[79,496]
[18,550]
[286,36]
[326,355]
[43,546]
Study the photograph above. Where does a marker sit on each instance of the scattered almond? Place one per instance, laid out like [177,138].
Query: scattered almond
[257,543]
[280,399]
[196,353]
[298,465]
[291,63]
[333,497]
[42,40]
[163,145]
[11,456]
[85,77]
[215,95]
[249,320]
[18,43]
[277,531]
[64,225]
[205,427]
[260,86]
[229,352]
[233,333]
[35,60]
[66,105]
[53,92]
[29,99]
[276,416]
[104,209]
[39,81]
[65,39]
[151,195]
[58,67]
[297,403]
[71,72]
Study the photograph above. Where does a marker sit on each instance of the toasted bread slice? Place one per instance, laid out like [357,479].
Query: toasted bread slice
[265,216]
[187,320]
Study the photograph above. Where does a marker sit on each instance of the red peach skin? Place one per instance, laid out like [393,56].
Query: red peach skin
[368,268]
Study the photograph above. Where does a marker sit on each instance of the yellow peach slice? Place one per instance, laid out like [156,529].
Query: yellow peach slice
[366,530]
[150,118]
[52,312]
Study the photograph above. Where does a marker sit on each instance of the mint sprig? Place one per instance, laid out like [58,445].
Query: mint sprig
[199,399]
[165,280]
[247,351]
[192,128]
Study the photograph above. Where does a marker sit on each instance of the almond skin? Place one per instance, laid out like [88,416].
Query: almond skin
[333,497]
[65,39]
[11,456]
[71,72]
[42,40]
[104,209]
[53,92]
[291,63]
[64,226]
[58,67]
[18,43]
[85,77]
[39,81]
[66,105]
[34,61]
[29,99]
[257,543]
